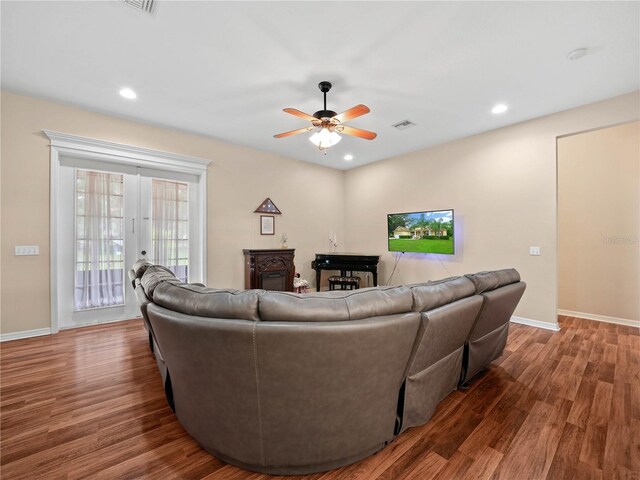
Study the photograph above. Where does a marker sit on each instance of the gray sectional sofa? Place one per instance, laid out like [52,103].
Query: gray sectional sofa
[286,383]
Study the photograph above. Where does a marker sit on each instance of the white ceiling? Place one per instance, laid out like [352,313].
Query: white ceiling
[226,69]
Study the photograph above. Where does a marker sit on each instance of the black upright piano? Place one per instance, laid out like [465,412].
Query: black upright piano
[346,262]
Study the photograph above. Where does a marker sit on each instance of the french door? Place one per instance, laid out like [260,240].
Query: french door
[111,215]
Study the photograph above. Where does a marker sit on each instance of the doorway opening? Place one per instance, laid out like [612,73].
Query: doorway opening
[599,224]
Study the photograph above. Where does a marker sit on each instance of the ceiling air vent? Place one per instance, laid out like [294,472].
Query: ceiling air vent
[144,5]
[403,125]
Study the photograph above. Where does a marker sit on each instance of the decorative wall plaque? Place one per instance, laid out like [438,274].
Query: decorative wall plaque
[267,206]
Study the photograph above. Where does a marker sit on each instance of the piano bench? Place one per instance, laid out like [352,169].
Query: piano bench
[346,283]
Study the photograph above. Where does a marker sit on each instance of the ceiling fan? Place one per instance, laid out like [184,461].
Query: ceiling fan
[328,123]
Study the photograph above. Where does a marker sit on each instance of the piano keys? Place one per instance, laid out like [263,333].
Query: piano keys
[345,262]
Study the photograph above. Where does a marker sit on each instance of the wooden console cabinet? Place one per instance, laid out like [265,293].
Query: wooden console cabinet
[269,269]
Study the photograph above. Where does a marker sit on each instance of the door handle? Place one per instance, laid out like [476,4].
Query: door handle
[133,226]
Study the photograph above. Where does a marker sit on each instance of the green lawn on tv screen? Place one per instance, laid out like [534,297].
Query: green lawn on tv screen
[421,246]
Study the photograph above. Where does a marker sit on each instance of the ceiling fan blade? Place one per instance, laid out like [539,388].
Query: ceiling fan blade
[353,112]
[356,132]
[293,132]
[300,114]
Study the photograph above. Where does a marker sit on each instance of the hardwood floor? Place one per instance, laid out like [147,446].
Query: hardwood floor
[89,403]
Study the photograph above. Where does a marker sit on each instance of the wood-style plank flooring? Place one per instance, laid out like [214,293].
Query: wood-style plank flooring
[88,403]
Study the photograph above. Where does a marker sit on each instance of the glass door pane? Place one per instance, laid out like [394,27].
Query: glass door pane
[170,226]
[99,242]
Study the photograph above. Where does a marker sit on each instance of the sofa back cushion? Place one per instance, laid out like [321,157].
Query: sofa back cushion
[153,276]
[499,305]
[140,266]
[334,306]
[485,281]
[427,296]
[208,302]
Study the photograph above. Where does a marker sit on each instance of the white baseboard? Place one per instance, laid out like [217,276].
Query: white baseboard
[94,323]
[38,332]
[600,318]
[536,323]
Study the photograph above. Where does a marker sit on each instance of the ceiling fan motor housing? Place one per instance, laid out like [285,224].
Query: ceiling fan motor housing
[324,114]
[324,86]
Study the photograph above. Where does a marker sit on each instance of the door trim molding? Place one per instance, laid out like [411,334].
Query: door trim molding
[64,144]
[124,154]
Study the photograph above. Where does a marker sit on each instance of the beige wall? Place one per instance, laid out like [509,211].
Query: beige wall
[502,185]
[599,222]
[311,199]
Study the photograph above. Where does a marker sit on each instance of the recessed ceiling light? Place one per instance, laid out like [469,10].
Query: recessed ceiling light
[348,157]
[128,93]
[577,54]
[499,108]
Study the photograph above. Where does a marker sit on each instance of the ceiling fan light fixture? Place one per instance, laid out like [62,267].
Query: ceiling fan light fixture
[324,138]
[328,124]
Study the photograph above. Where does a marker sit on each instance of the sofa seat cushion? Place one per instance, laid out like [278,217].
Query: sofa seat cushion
[485,281]
[334,306]
[427,296]
[200,301]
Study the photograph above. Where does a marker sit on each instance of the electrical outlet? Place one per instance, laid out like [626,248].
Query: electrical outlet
[534,251]
[27,250]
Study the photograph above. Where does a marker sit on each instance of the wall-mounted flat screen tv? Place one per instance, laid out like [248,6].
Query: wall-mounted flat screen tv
[421,232]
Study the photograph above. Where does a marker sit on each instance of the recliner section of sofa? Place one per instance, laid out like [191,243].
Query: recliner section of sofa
[501,291]
[286,383]
[447,309]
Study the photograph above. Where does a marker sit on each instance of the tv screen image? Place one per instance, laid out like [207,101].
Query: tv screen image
[421,232]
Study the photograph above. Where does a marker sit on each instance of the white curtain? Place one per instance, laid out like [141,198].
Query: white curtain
[99,240]
[170,226]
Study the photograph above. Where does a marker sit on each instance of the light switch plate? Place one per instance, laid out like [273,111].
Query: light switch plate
[534,251]
[27,250]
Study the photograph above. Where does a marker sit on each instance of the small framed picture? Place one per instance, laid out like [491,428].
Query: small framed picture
[267,225]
